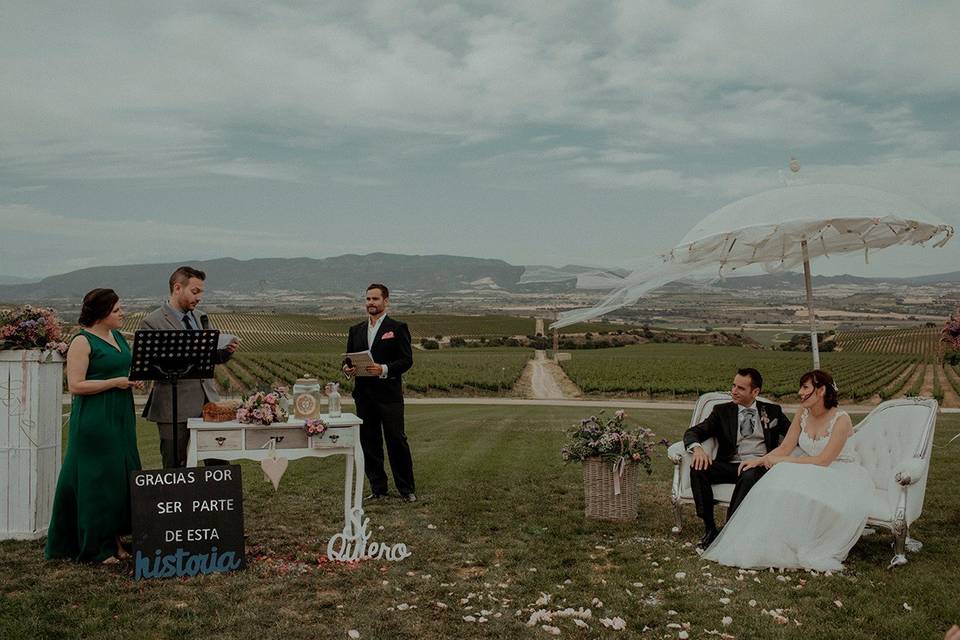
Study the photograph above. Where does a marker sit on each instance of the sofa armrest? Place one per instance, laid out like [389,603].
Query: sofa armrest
[910,471]
[676,452]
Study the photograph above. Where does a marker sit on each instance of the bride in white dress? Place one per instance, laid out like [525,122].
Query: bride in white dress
[808,510]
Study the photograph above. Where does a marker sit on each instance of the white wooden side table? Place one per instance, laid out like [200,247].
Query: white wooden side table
[236,441]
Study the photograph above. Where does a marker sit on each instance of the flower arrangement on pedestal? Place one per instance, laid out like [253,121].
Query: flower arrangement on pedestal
[27,327]
[950,335]
[262,408]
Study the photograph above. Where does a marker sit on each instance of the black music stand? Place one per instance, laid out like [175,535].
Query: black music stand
[169,356]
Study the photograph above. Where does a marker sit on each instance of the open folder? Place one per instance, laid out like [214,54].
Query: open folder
[360,360]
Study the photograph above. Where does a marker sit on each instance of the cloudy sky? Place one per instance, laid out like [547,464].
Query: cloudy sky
[540,132]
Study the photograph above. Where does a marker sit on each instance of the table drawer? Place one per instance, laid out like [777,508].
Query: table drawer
[333,437]
[285,438]
[219,440]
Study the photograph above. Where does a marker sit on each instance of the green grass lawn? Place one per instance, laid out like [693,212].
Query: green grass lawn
[499,524]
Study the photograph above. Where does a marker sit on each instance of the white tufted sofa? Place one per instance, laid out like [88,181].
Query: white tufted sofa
[893,442]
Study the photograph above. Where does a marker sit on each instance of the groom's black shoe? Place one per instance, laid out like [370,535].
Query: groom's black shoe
[708,537]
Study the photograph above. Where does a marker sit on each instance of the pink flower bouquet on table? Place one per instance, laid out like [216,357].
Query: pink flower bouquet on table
[315,426]
[262,408]
[31,328]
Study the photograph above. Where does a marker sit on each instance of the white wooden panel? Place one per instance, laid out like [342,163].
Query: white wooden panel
[4,489]
[30,423]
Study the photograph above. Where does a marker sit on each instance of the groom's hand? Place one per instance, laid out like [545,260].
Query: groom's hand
[701,459]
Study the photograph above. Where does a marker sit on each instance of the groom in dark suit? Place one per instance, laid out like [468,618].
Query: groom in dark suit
[745,429]
[379,395]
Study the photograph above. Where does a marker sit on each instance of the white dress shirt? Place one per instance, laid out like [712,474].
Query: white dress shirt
[372,330]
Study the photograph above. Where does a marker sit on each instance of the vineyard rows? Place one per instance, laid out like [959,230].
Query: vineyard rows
[916,341]
[867,364]
[689,370]
[439,371]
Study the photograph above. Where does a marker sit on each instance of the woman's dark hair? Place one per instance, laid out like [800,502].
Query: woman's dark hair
[97,305]
[820,378]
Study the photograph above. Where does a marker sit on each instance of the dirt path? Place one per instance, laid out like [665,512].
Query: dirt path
[543,383]
[544,379]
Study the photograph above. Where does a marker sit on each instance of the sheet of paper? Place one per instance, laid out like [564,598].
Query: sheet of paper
[225,339]
[360,360]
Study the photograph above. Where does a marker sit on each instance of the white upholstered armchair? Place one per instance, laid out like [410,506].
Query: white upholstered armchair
[894,442]
[681,493]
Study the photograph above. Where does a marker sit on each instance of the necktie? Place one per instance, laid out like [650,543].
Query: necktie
[186,322]
[747,421]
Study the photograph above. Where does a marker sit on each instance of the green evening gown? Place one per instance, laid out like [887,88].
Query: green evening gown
[92,504]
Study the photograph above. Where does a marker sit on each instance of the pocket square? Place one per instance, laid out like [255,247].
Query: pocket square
[387,335]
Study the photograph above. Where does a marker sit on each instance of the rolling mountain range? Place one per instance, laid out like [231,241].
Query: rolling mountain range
[350,274]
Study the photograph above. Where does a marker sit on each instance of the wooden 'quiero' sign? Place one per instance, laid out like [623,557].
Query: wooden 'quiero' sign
[187,521]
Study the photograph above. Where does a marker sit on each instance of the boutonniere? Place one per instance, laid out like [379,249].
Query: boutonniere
[387,335]
[764,418]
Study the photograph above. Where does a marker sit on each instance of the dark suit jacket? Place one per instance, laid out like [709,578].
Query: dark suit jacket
[723,424]
[192,394]
[395,351]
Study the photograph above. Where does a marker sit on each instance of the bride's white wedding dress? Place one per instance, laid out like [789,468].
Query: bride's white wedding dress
[800,516]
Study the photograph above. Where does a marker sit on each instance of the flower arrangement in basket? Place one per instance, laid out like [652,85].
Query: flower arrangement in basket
[611,456]
[27,327]
[262,408]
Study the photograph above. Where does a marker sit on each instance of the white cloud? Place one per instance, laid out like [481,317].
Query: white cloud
[654,97]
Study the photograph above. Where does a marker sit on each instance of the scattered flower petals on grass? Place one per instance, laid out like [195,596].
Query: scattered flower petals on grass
[469,619]
[551,630]
[580,623]
[683,635]
[617,624]
[543,599]
[907,607]
[353,633]
[727,621]
[431,526]
[752,603]
[838,603]
[724,600]
[680,575]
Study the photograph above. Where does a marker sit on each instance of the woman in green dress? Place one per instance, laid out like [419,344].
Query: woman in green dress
[91,508]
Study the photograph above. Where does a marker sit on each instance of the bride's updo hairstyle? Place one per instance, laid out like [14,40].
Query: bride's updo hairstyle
[97,305]
[820,378]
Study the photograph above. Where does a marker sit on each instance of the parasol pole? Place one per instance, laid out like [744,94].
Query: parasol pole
[814,347]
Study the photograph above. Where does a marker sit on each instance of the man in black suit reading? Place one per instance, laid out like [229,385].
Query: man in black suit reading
[745,429]
[379,395]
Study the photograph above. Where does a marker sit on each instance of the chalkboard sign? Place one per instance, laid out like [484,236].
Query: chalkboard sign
[187,521]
